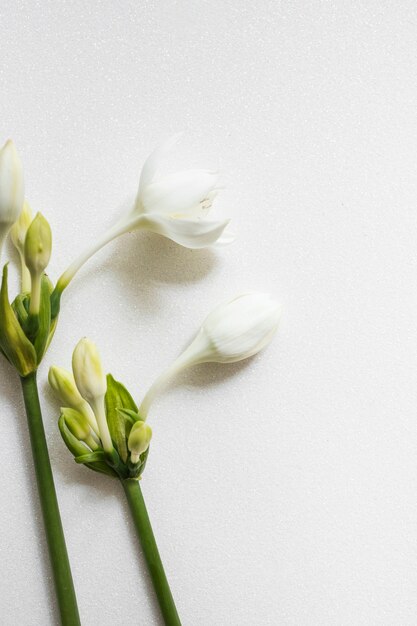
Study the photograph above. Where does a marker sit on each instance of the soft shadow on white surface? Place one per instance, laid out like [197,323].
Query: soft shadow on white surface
[310,110]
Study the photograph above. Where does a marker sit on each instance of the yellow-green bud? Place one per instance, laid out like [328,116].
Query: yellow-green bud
[63,383]
[139,440]
[77,423]
[20,228]
[38,245]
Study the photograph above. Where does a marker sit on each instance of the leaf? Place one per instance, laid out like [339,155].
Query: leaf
[96,461]
[130,415]
[13,341]
[118,397]
[44,319]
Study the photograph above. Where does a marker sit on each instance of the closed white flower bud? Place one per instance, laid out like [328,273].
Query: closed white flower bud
[234,331]
[237,329]
[11,188]
[88,372]
[139,439]
[92,385]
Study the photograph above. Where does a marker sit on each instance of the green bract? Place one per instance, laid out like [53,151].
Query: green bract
[24,338]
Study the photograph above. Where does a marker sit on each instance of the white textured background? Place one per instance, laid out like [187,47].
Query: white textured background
[282,491]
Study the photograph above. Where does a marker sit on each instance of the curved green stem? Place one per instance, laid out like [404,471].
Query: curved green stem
[49,503]
[150,549]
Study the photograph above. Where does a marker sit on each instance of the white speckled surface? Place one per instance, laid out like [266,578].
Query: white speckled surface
[283,491]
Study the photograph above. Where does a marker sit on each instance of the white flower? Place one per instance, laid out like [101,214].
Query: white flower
[92,385]
[176,205]
[173,205]
[234,331]
[11,188]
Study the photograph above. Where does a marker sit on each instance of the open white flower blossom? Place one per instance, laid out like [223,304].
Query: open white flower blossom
[233,331]
[92,385]
[173,205]
[12,191]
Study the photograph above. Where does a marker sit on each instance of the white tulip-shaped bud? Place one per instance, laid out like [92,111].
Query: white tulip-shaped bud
[234,331]
[18,235]
[237,329]
[139,439]
[92,385]
[11,188]
[63,383]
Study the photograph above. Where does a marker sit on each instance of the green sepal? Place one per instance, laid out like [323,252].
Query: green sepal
[13,341]
[131,416]
[90,457]
[118,397]
[136,470]
[44,318]
[102,468]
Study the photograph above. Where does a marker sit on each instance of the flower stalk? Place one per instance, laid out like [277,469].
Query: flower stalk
[54,533]
[144,531]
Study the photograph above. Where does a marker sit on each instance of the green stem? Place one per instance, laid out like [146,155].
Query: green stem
[49,503]
[144,530]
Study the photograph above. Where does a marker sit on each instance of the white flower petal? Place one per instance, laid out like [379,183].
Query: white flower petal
[178,193]
[152,163]
[225,240]
[188,233]
[11,184]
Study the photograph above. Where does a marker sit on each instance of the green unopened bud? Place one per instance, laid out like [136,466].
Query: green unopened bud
[78,425]
[13,341]
[38,247]
[139,440]
[63,383]
[18,235]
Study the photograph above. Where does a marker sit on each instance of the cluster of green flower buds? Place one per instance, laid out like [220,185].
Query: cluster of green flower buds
[26,325]
[99,420]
